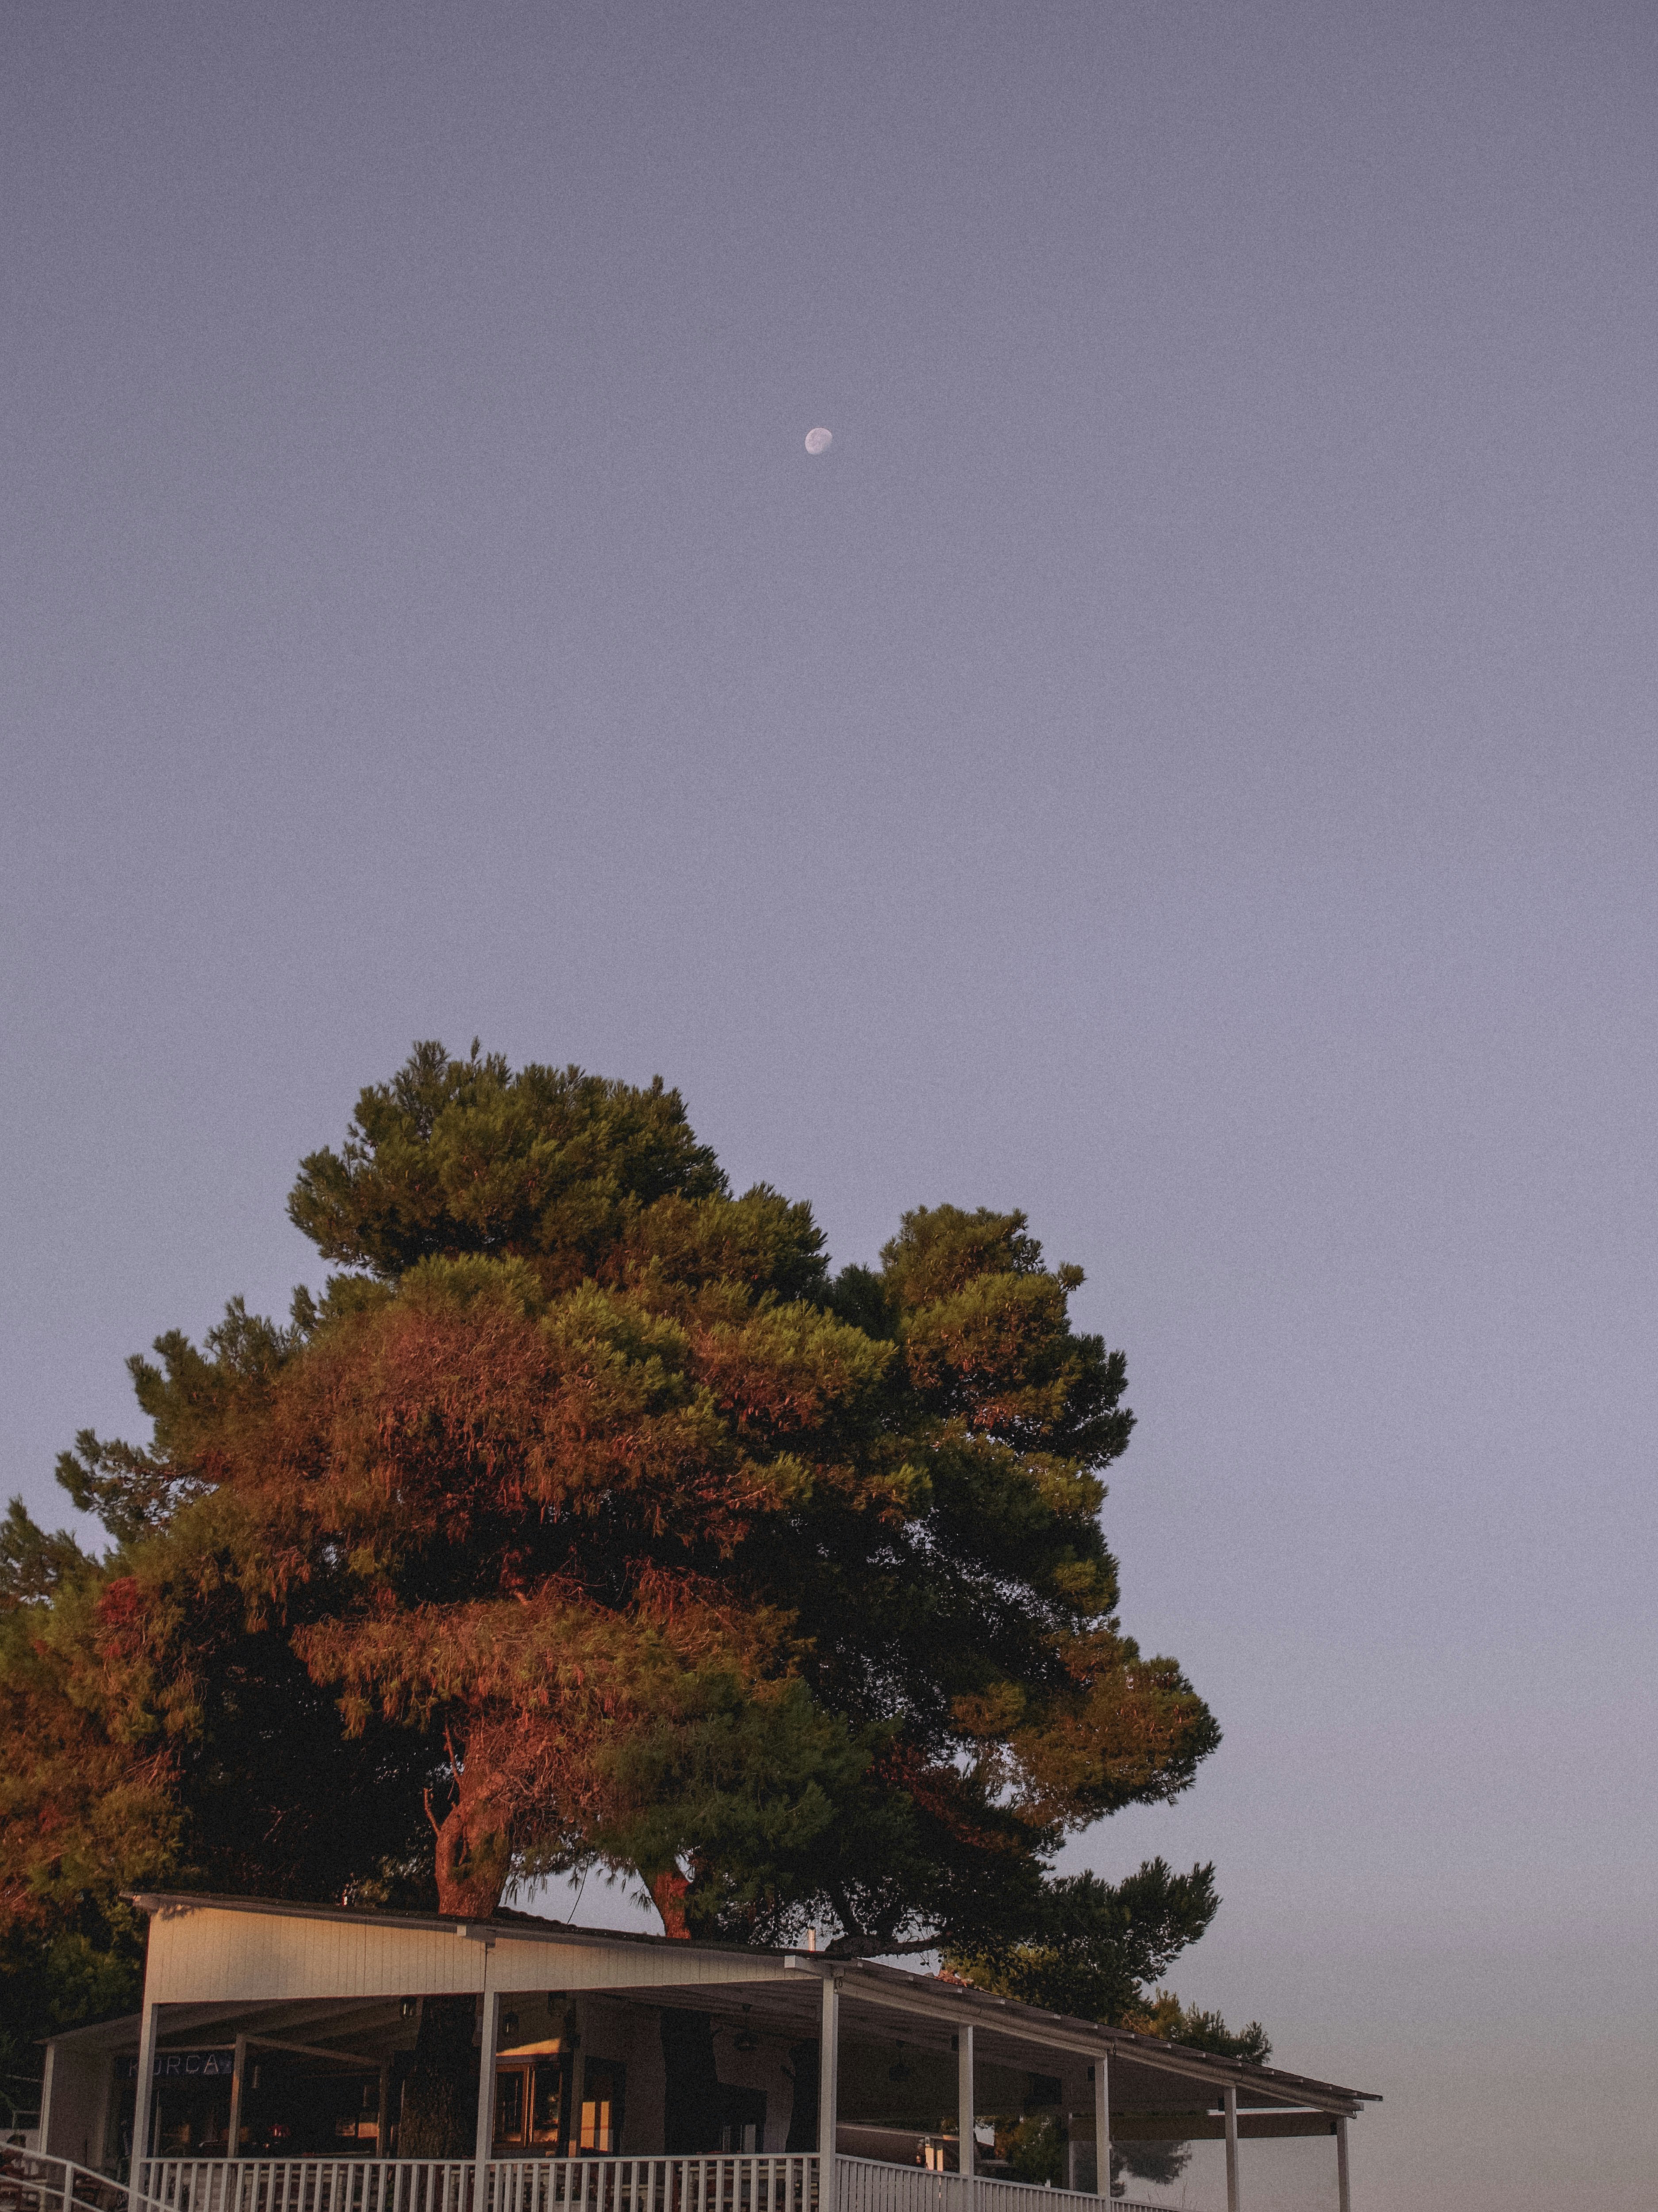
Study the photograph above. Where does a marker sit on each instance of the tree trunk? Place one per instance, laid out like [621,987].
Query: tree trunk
[691,2108]
[670,1889]
[472,1860]
[803,2114]
[440,2097]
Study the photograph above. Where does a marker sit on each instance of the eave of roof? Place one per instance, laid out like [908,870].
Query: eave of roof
[531,1926]
[1151,2049]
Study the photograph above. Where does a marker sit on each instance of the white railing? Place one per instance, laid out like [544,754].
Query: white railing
[706,2184]
[725,2182]
[865,2185]
[30,2183]
[749,2182]
[307,2185]
[1022,2196]
[711,2183]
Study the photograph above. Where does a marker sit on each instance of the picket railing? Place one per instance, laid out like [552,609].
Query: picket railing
[307,2185]
[726,2183]
[866,2184]
[733,2184]
[997,2196]
[747,2182]
[29,2183]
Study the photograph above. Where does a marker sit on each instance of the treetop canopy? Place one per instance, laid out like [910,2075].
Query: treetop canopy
[587,1516]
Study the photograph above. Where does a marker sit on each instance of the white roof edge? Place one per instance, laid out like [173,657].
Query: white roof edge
[949,1997]
[1145,2049]
[506,1929]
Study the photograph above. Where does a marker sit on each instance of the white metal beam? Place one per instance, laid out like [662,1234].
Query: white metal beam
[948,2014]
[143,2093]
[331,2053]
[947,2011]
[1102,2128]
[44,2127]
[486,2127]
[1232,2197]
[1344,2182]
[238,2084]
[967,2162]
[828,2084]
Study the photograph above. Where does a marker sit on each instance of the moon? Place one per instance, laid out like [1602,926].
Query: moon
[819,442]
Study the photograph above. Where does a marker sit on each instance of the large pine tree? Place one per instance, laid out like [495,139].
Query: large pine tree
[586,1517]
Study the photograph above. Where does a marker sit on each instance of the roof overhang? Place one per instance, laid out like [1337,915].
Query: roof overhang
[352,1961]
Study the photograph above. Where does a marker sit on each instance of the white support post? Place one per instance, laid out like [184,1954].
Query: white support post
[486,2128]
[1232,2197]
[828,2089]
[1102,2128]
[1344,2182]
[45,2128]
[238,2083]
[144,2095]
[966,2162]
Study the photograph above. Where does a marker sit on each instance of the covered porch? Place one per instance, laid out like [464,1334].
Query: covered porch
[620,2073]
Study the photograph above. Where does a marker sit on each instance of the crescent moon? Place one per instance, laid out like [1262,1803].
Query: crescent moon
[819,442]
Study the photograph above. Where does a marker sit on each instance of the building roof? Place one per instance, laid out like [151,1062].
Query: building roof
[867,1986]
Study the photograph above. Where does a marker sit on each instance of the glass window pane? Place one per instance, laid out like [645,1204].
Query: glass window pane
[549,2101]
[509,2106]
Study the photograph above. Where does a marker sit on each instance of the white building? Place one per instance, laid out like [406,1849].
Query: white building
[623,2073]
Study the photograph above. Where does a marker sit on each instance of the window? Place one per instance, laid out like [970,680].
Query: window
[547,2108]
[509,2103]
[602,2087]
[531,2098]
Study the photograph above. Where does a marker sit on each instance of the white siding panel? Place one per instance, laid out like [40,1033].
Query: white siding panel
[208,1954]
[544,1965]
[202,1954]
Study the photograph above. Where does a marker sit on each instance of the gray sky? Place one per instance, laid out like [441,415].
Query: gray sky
[1183,762]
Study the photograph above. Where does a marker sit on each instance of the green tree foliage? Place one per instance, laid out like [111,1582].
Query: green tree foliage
[1092,1946]
[79,1818]
[1090,1952]
[1165,2016]
[586,1517]
[1034,2146]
